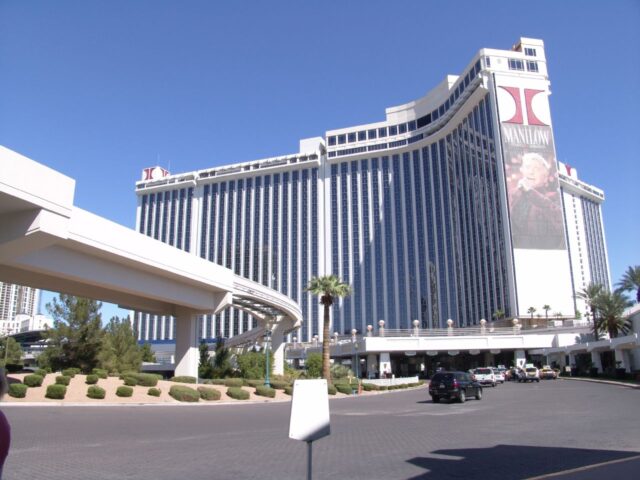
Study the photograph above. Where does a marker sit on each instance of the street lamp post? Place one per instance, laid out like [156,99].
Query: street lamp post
[267,338]
[355,347]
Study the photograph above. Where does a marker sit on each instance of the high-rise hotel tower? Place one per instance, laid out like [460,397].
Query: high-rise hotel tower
[452,207]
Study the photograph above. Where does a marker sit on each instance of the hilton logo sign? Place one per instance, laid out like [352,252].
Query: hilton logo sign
[518,117]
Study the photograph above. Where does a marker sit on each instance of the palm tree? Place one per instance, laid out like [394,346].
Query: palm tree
[546,309]
[611,306]
[498,314]
[590,296]
[328,288]
[531,311]
[630,281]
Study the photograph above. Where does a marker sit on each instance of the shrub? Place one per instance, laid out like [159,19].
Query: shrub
[288,390]
[367,387]
[56,391]
[33,380]
[184,394]
[279,384]
[130,381]
[238,393]
[313,365]
[96,392]
[70,372]
[265,391]
[383,387]
[154,392]
[215,381]
[145,379]
[92,379]
[18,390]
[184,379]
[342,388]
[233,382]
[209,393]
[63,380]
[42,372]
[100,372]
[253,364]
[254,383]
[331,390]
[124,391]
[340,371]
[403,385]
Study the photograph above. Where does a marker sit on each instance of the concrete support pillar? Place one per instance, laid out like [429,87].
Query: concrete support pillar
[596,360]
[187,355]
[622,357]
[277,347]
[572,360]
[520,358]
[487,359]
[385,363]
[372,365]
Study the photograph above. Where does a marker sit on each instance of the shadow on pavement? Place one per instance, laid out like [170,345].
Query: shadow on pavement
[510,461]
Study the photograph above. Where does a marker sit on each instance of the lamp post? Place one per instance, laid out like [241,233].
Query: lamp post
[6,347]
[267,338]
[355,348]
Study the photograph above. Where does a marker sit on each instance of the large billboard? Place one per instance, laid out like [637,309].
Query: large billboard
[533,190]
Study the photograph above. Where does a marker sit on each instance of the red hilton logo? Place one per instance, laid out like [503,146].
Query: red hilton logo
[528,97]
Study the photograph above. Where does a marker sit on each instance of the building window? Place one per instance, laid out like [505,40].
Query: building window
[351,137]
[382,132]
[362,136]
[530,52]
[515,64]
[372,134]
[342,139]
[402,128]
[532,66]
[332,140]
[393,130]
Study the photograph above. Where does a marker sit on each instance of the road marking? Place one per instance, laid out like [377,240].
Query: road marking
[585,468]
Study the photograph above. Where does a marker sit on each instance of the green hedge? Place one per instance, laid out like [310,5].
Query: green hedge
[184,379]
[33,380]
[215,381]
[251,383]
[331,390]
[346,389]
[279,384]
[233,382]
[63,380]
[100,372]
[70,372]
[367,387]
[383,387]
[96,392]
[154,392]
[147,379]
[124,391]
[209,393]
[265,391]
[184,394]
[130,381]
[92,379]
[42,372]
[238,393]
[18,390]
[56,392]
[288,390]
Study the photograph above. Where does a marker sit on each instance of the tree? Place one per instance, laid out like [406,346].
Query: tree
[120,351]
[221,360]
[531,311]
[611,306]
[498,314]
[630,281]
[205,367]
[328,288]
[253,364]
[313,365]
[147,353]
[590,296]
[546,309]
[14,353]
[76,337]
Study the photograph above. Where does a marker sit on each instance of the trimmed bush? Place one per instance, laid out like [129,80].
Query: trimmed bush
[403,385]
[18,390]
[215,381]
[124,391]
[96,392]
[143,379]
[209,393]
[33,380]
[130,381]
[63,380]
[367,387]
[70,372]
[331,390]
[238,393]
[383,387]
[154,392]
[279,384]
[184,379]
[184,394]
[92,379]
[346,389]
[100,372]
[265,391]
[56,391]
[288,390]
[253,383]
[42,372]
[233,382]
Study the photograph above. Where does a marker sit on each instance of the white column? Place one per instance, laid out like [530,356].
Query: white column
[277,347]
[520,358]
[621,357]
[385,363]
[372,365]
[596,360]
[187,355]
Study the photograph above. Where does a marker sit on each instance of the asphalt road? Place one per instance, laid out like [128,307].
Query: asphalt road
[554,429]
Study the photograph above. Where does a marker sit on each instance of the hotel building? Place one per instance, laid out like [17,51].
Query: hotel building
[16,301]
[453,206]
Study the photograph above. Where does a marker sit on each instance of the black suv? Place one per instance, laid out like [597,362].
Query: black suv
[454,386]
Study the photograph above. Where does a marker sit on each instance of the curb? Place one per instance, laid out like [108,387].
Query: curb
[607,382]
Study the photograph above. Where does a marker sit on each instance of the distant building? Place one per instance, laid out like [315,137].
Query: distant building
[451,207]
[16,300]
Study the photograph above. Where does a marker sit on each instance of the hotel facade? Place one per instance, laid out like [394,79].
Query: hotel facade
[453,207]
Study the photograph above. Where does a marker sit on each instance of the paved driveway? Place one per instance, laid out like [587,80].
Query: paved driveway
[515,431]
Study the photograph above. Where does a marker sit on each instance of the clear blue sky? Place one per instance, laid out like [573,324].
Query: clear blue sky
[99,90]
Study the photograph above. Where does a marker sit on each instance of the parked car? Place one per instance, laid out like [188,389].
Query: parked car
[529,374]
[548,373]
[499,374]
[454,386]
[485,376]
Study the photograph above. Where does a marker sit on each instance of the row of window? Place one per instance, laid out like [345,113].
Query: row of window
[517,64]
